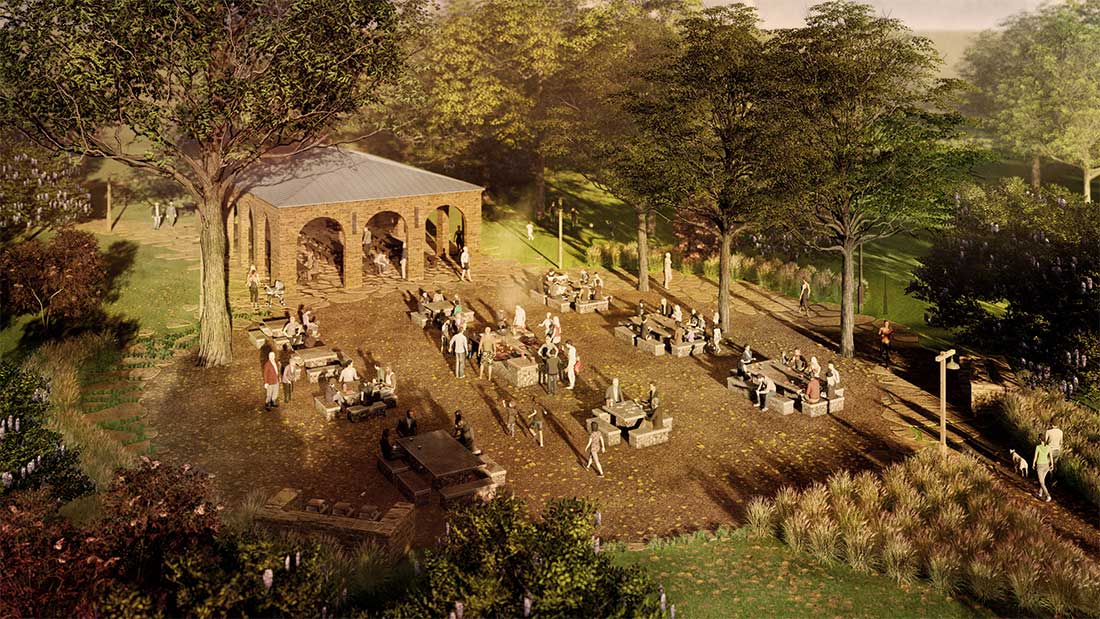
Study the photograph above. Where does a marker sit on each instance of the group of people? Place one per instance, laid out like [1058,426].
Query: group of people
[302,328]
[375,250]
[810,371]
[276,291]
[164,212]
[589,286]
[687,329]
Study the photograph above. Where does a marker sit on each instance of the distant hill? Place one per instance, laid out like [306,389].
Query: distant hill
[952,45]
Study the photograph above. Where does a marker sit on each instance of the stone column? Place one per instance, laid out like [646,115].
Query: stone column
[245,231]
[353,259]
[415,244]
[442,233]
[231,231]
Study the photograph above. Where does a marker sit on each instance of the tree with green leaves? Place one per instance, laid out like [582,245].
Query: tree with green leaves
[1035,88]
[875,132]
[718,132]
[194,91]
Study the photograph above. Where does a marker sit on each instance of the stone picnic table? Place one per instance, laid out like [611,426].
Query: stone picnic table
[436,462]
[515,358]
[273,326]
[316,356]
[789,389]
[439,454]
[628,418]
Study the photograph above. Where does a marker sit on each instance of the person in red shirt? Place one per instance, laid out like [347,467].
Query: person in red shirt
[271,382]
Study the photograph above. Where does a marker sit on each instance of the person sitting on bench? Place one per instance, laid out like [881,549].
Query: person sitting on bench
[814,369]
[614,393]
[832,380]
[743,363]
[464,434]
[390,451]
[764,386]
[678,334]
[677,314]
[407,426]
[812,394]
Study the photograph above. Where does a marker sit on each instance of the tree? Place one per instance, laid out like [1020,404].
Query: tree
[39,190]
[1034,85]
[873,130]
[711,109]
[63,279]
[194,91]
[607,146]
[496,554]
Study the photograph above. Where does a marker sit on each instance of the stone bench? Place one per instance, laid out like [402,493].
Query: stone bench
[317,506]
[327,409]
[369,512]
[815,409]
[645,435]
[653,347]
[343,508]
[325,371]
[736,382]
[836,405]
[611,435]
[280,342]
[588,307]
[698,347]
[413,486]
[483,488]
[257,338]
[420,319]
[558,304]
[625,333]
[681,350]
[391,468]
[359,412]
[780,404]
[496,472]
[602,414]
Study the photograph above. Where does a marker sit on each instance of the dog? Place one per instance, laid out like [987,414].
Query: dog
[1019,462]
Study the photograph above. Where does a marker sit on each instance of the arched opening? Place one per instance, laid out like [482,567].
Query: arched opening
[445,232]
[388,236]
[320,261]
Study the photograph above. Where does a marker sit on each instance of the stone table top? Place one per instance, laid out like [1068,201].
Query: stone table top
[439,453]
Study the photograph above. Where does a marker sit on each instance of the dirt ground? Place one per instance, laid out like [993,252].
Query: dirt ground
[722,449]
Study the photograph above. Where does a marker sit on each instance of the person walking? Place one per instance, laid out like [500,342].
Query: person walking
[511,414]
[594,447]
[536,419]
[254,287]
[171,213]
[460,346]
[271,382]
[571,364]
[530,231]
[1054,437]
[464,262]
[368,239]
[885,333]
[804,298]
[1042,462]
[157,215]
[291,374]
[487,353]
[668,269]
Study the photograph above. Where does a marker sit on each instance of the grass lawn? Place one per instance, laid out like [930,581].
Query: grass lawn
[732,576]
[151,290]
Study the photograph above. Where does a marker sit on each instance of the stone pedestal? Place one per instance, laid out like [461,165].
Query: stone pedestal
[518,371]
[653,347]
[780,404]
[558,304]
[680,350]
[815,409]
[836,405]
[587,307]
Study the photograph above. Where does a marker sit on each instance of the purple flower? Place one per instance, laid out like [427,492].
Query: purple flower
[268,579]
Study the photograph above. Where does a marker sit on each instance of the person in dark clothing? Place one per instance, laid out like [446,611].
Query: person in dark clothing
[553,369]
[389,450]
[407,426]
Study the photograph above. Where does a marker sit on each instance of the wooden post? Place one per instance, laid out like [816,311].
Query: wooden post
[110,222]
[561,264]
[943,358]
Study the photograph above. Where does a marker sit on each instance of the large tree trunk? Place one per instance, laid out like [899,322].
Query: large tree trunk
[847,302]
[538,171]
[724,282]
[215,343]
[643,253]
[1036,171]
[1089,174]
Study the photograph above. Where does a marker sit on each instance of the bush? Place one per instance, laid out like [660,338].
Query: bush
[496,553]
[760,516]
[889,524]
[65,278]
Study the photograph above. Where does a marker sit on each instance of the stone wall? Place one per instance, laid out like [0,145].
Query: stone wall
[287,222]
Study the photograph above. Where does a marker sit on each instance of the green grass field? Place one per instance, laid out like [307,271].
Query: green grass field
[731,576]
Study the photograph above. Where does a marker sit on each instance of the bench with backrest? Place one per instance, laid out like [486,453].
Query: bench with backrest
[414,486]
[482,487]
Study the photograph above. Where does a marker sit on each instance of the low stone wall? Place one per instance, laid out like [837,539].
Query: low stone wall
[393,530]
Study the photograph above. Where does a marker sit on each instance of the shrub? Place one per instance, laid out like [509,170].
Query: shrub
[796,530]
[859,545]
[823,540]
[760,516]
[594,255]
[711,266]
[944,566]
[983,580]
[64,278]
[898,558]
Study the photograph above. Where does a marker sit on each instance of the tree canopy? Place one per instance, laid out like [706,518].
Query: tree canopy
[194,91]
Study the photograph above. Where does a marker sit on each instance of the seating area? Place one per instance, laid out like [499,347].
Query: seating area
[658,334]
[627,418]
[342,519]
[788,395]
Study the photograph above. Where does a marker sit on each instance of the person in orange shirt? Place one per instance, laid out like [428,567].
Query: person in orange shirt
[884,335]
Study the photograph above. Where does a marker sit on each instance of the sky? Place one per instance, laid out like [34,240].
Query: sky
[917,14]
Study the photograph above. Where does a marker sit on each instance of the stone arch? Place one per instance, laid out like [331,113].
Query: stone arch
[444,233]
[321,244]
[390,237]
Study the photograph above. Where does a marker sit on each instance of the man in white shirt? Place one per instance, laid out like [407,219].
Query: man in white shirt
[460,346]
[1054,441]
[348,375]
[765,386]
[614,393]
[519,321]
[464,262]
[571,363]
[832,380]
[547,325]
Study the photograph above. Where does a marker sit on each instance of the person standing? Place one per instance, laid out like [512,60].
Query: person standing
[555,332]
[1042,462]
[271,382]
[510,416]
[368,239]
[553,370]
[764,386]
[884,337]
[571,364]
[547,325]
[530,231]
[404,261]
[156,215]
[1053,437]
[487,353]
[291,373]
[171,213]
[804,298]
[668,269]
[348,375]
[519,320]
[254,287]
[832,380]
[464,262]
[536,419]
[594,447]
[460,346]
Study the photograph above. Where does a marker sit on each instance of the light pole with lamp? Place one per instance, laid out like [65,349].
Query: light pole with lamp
[946,361]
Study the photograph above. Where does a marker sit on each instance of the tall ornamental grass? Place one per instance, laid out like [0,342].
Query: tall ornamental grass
[967,540]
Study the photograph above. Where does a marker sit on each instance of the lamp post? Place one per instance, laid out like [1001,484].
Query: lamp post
[946,361]
[561,263]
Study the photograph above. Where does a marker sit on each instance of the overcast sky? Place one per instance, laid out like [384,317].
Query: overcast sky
[918,14]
